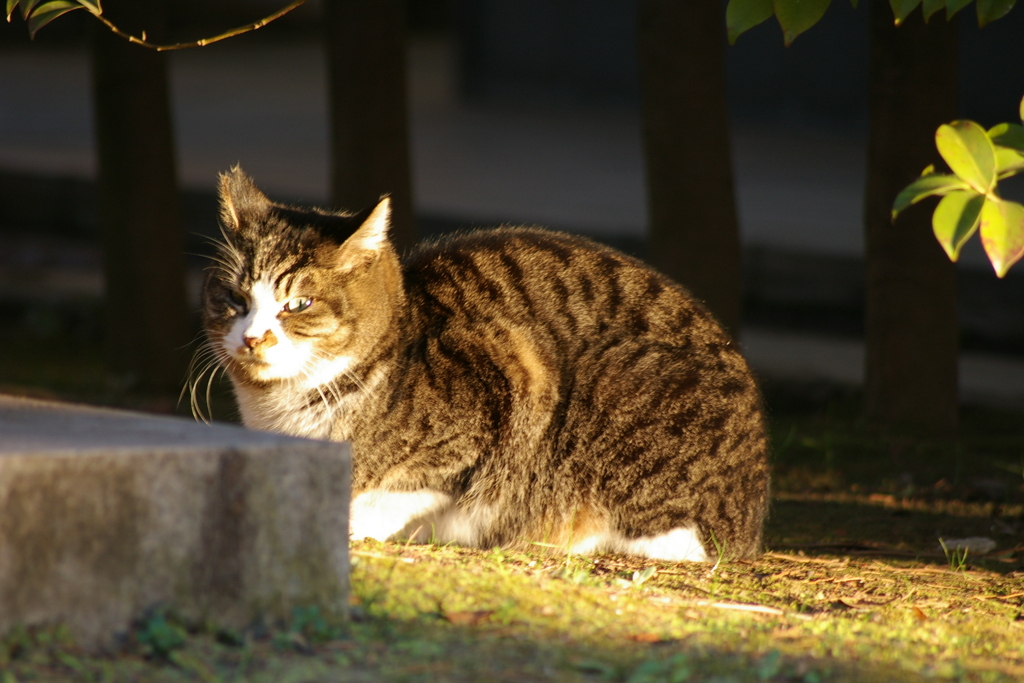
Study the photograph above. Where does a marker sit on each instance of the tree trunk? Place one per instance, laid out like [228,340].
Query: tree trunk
[369,120]
[148,322]
[693,232]
[911,324]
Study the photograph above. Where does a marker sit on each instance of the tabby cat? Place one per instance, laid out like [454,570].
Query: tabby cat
[503,387]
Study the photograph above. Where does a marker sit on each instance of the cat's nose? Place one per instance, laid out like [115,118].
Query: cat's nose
[268,339]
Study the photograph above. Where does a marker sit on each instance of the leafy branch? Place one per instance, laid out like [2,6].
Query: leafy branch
[978,159]
[39,13]
[796,16]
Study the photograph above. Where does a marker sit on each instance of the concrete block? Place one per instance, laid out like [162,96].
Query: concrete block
[105,514]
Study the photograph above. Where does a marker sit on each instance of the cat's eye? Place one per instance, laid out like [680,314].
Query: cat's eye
[237,299]
[298,304]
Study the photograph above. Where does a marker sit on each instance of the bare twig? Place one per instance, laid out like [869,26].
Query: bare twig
[805,560]
[739,607]
[202,42]
[998,597]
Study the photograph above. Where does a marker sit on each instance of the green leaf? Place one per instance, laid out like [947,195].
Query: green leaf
[1007,135]
[796,16]
[901,9]
[927,185]
[26,7]
[930,7]
[1002,233]
[955,220]
[990,10]
[743,15]
[954,6]
[92,5]
[47,12]
[1009,162]
[969,153]
[11,6]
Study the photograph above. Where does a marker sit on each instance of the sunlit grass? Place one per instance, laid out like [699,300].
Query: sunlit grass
[447,613]
[855,586]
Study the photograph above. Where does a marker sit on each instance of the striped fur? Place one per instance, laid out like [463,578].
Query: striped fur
[501,387]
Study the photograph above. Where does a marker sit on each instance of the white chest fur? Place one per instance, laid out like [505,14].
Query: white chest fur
[285,411]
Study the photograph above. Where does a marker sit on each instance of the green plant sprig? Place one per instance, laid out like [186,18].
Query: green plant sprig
[970,202]
[956,556]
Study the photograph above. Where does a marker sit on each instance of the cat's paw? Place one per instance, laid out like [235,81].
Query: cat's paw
[381,515]
[678,545]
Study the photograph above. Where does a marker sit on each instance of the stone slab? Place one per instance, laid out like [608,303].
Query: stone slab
[107,514]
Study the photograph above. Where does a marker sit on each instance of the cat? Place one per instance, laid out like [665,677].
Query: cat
[505,387]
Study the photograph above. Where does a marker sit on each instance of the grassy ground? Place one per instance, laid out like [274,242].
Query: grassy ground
[855,587]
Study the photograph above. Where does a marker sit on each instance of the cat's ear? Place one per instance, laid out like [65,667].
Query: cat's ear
[240,200]
[369,240]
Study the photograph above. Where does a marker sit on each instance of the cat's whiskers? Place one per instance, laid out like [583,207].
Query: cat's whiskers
[339,396]
[209,359]
[327,404]
[193,385]
[209,387]
[332,390]
[348,373]
[225,269]
[222,245]
[201,357]
[307,372]
[227,258]
[209,367]
[225,246]
[365,389]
